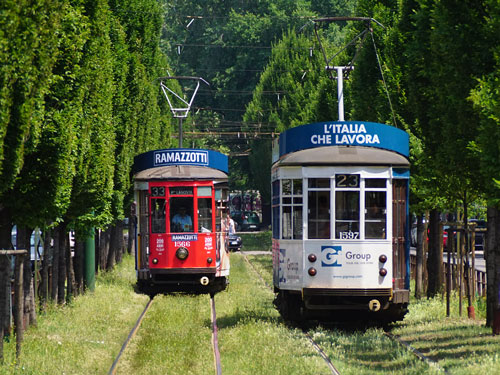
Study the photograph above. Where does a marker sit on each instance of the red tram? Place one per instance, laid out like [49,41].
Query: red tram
[181,203]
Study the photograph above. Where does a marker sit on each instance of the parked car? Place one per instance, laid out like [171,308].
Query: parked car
[246,220]
[234,242]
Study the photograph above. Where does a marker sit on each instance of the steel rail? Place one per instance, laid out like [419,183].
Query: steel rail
[416,352]
[215,338]
[112,370]
[315,345]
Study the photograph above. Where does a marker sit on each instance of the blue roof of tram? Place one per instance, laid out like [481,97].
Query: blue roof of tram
[343,133]
[181,156]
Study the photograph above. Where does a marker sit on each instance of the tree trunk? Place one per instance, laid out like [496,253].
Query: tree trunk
[5,273]
[492,257]
[18,304]
[435,258]
[131,234]
[47,257]
[70,273]
[78,265]
[5,308]
[118,241]
[104,248]
[23,243]
[112,247]
[55,265]
[419,269]
[61,279]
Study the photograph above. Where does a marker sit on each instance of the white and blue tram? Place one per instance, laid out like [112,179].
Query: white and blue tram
[341,221]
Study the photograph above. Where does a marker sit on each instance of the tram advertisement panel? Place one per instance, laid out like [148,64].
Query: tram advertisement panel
[348,265]
[345,133]
[290,264]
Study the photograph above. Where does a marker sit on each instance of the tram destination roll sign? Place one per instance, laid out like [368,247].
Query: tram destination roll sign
[181,156]
[344,133]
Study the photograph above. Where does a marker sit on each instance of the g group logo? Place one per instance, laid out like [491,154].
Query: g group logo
[330,256]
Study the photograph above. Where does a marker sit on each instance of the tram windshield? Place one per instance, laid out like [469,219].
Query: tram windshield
[204,215]
[181,214]
[345,207]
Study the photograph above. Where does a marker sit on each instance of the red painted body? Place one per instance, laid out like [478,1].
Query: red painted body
[201,245]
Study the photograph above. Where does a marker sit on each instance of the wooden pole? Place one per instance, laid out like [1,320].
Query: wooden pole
[19,302]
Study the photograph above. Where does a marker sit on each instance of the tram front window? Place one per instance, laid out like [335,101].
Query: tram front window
[204,215]
[181,215]
[319,214]
[158,215]
[347,215]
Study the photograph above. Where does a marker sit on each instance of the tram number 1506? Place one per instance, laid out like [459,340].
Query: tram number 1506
[348,235]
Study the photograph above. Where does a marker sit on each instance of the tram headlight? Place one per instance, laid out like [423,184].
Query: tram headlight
[312,271]
[209,260]
[155,260]
[382,258]
[382,272]
[312,258]
[182,253]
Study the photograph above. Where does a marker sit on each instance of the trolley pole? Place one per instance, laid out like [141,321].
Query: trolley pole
[180,132]
[340,90]
[340,86]
[181,111]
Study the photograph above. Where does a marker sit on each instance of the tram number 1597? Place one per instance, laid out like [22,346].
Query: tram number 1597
[348,235]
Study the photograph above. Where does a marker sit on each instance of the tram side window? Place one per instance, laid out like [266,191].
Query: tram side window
[319,212]
[181,214]
[347,215]
[375,214]
[158,215]
[292,209]
[204,215]
[276,207]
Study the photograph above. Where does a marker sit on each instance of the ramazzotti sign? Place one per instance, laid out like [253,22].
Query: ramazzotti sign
[181,156]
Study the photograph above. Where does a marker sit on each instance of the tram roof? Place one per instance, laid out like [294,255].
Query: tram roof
[180,157]
[180,172]
[350,155]
[379,137]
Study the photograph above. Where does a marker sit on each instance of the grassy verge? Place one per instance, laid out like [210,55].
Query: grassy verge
[84,337]
[457,344]
[175,336]
[252,338]
[256,241]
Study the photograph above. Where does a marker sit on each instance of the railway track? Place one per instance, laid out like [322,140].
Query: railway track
[416,352]
[387,334]
[215,340]
[315,345]
[112,370]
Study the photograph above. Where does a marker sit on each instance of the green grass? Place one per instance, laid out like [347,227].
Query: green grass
[457,344]
[256,241]
[175,337]
[83,337]
[252,338]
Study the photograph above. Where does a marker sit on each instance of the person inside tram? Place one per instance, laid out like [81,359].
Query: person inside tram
[182,222]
